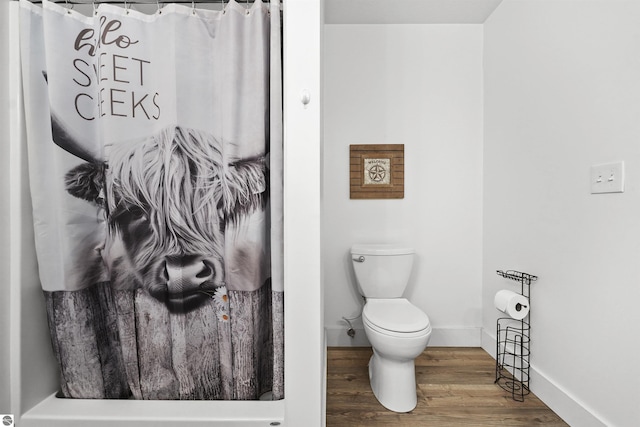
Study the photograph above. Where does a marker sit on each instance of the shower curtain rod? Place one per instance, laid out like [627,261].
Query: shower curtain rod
[88,2]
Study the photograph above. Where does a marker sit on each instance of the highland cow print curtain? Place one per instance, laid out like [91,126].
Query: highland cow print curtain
[155,147]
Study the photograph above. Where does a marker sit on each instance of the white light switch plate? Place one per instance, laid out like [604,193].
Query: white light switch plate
[607,178]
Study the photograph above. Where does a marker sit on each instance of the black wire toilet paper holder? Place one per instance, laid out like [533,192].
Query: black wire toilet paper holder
[513,343]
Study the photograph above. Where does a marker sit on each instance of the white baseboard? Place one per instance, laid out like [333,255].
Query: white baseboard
[455,337]
[337,337]
[559,400]
[440,337]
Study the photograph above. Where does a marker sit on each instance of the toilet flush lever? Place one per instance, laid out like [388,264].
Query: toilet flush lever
[359,259]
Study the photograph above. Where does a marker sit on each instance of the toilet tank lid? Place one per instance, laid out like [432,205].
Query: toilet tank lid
[381,249]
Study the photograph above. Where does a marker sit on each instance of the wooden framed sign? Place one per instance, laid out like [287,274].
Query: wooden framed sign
[377,171]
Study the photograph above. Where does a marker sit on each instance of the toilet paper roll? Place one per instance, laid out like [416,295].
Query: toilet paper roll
[512,304]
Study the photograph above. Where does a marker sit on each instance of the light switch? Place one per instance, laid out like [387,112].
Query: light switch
[607,178]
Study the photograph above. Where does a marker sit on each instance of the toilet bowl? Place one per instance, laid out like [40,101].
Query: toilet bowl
[398,332]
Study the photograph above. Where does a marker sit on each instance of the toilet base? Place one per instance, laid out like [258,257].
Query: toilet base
[393,383]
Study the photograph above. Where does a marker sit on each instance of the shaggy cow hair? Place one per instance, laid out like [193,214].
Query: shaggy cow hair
[168,199]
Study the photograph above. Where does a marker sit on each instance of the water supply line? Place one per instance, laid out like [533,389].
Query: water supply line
[351,332]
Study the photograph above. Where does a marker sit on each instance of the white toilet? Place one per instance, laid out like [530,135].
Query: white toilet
[397,330]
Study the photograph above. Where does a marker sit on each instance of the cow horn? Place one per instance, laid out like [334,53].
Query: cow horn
[64,139]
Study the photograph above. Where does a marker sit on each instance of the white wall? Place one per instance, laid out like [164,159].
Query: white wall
[562,92]
[421,86]
[304,344]
[5,402]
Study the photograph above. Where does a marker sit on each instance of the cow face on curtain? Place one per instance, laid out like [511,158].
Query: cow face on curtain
[167,200]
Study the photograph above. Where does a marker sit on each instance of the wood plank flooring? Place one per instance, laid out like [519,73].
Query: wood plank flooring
[455,388]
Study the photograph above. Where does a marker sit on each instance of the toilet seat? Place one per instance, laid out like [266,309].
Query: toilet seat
[395,316]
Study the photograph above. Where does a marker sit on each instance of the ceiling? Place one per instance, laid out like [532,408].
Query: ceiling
[408,11]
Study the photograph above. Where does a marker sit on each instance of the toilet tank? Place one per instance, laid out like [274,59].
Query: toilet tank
[382,270]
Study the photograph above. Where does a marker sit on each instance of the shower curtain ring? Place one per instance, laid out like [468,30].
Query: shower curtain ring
[69,6]
[193,7]
[95,7]
[126,7]
[159,7]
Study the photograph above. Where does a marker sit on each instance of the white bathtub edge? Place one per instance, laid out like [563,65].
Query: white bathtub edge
[55,412]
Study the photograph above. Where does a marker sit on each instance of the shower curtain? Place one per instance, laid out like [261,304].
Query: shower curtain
[155,165]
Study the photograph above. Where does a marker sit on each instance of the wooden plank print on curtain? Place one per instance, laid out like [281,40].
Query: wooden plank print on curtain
[154,147]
